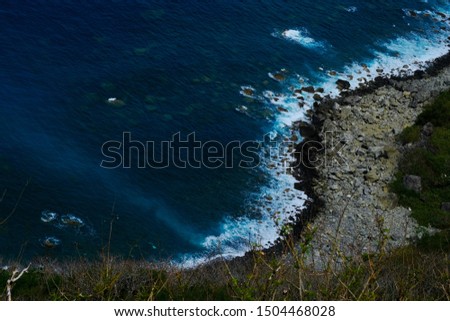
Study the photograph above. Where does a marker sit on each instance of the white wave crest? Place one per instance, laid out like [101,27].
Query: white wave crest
[351,9]
[299,36]
[277,203]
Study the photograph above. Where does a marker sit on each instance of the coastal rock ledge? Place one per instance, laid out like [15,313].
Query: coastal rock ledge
[359,133]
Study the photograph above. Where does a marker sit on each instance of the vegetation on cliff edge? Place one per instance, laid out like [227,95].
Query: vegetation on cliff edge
[428,156]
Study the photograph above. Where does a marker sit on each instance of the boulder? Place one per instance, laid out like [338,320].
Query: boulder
[345,113]
[427,129]
[306,129]
[352,100]
[278,76]
[393,102]
[422,96]
[377,152]
[342,84]
[317,97]
[413,183]
[371,176]
[115,102]
[309,89]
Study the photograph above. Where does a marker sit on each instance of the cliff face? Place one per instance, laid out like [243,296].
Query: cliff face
[359,159]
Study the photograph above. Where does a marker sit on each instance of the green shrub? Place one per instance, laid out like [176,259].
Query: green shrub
[438,113]
[410,135]
[430,161]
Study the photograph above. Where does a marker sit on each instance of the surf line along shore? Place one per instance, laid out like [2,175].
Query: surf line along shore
[349,156]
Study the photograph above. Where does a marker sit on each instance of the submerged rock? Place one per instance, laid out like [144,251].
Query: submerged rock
[48,216]
[278,76]
[50,242]
[72,220]
[140,51]
[248,91]
[115,102]
[242,109]
[151,107]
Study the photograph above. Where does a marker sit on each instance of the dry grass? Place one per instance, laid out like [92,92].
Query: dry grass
[406,274]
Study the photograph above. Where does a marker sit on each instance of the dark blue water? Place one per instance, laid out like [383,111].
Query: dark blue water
[178,66]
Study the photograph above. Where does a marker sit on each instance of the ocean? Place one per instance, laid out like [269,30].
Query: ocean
[76,75]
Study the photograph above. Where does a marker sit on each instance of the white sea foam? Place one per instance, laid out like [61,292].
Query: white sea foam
[68,222]
[291,110]
[300,36]
[278,201]
[248,91]
[351,9]
[407,54]
[50,242]
[48,216]
[72,220]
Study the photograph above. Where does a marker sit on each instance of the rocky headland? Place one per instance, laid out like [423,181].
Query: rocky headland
[351,156]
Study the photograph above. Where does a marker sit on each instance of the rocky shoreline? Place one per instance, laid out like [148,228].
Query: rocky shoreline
[350,155]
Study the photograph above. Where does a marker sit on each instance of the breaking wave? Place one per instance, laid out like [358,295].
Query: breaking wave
[278,202]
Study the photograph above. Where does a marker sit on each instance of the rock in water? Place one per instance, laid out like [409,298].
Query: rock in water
[306,129]
[72,220]
[48,216]
[309,89]
[342,84]
[317,97]
[50,242]
[115,102]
